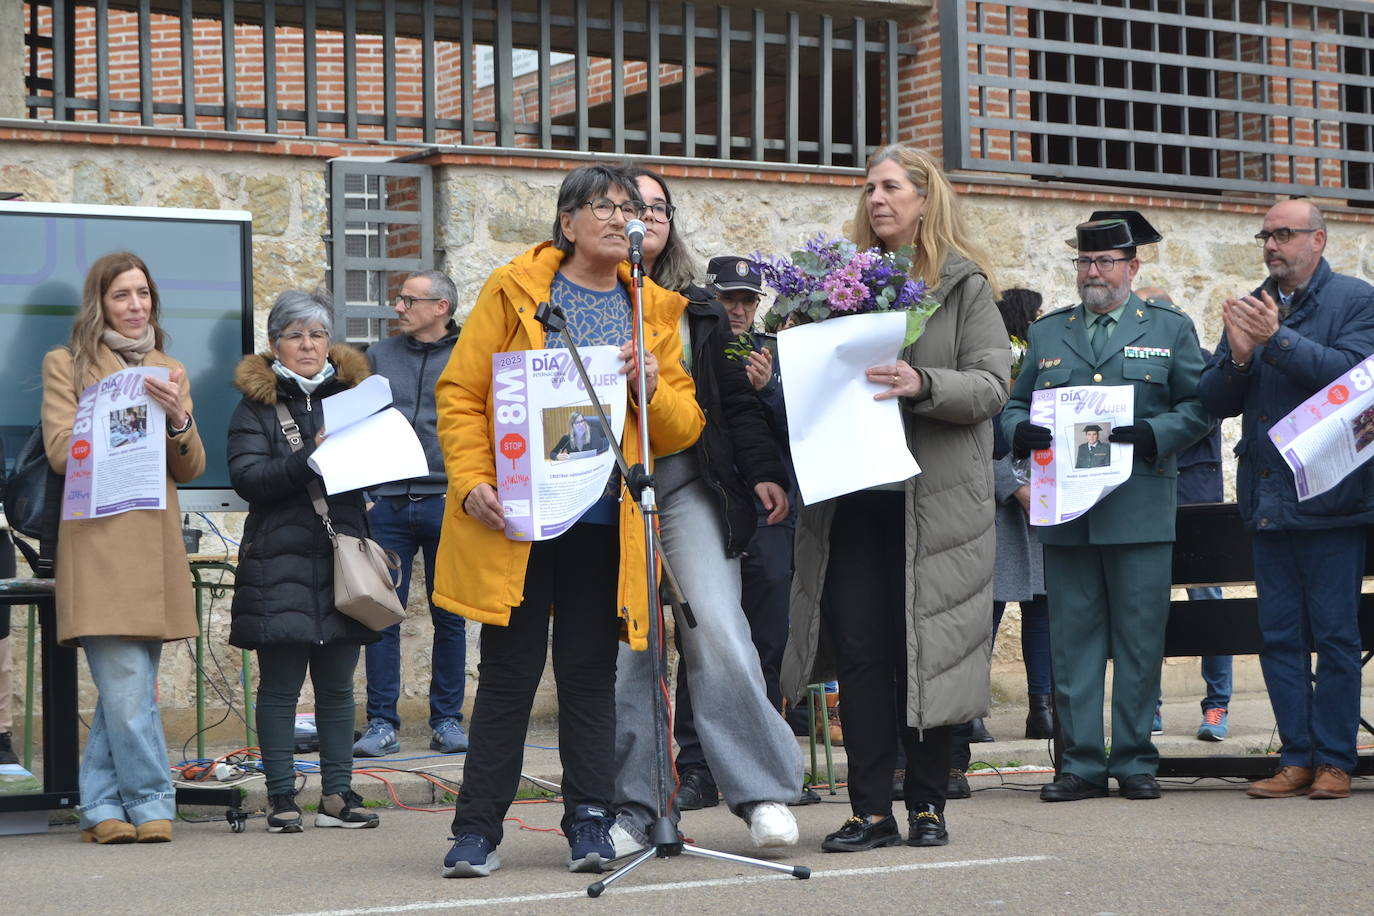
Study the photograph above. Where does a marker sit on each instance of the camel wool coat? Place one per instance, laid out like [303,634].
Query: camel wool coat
[126,574]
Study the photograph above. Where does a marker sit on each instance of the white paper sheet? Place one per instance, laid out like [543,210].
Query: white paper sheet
[358,403]
[1070,477]
[379,449]
[842,440]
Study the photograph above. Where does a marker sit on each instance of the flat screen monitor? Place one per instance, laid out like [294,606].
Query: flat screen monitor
[202,264]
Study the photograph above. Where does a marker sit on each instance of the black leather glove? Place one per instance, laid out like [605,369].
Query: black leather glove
[1029,438]
[1138,434]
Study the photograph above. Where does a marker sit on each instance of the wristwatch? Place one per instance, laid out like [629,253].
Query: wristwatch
[180,429]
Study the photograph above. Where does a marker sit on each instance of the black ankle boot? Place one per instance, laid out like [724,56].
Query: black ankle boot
[979,732]
[1040,720]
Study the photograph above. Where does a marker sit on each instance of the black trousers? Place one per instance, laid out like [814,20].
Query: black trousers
[281,674]
[864,610]
[575,576]
[766,583]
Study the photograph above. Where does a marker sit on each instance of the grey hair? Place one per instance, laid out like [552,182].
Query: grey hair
[581,185]
[1315,218]
[441,286]
[295,306]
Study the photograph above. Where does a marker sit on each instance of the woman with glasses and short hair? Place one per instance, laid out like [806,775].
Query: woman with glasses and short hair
[284,587]
[706,497]
[584,575]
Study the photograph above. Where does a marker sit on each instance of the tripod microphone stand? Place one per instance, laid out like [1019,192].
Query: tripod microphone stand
[664,841]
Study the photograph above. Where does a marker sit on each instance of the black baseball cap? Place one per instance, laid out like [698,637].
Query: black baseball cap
[729,272]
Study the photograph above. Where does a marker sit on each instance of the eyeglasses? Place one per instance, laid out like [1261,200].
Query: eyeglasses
[408,302]
[1104,263]
[739,305]
[660,213]
[603,208]
[1282,235]
[318,335]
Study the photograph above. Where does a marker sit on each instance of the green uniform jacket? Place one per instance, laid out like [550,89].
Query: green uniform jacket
[1155,349]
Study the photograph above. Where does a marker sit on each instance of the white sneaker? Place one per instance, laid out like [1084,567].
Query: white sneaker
[771,824]
[627,839]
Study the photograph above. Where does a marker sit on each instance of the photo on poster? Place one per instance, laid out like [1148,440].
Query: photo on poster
[1093,451]
[1362,428]
[576,432]
[128,425]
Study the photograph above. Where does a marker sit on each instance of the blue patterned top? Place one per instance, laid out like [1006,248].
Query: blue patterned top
[594,318]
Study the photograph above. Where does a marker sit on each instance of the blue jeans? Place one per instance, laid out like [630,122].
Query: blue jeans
[124,770]
[1308,585]
[1216,669]
[406,525]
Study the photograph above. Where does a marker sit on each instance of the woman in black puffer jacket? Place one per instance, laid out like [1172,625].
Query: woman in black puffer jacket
[284,589]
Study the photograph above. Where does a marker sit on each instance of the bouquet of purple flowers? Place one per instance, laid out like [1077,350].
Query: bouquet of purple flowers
[829,278]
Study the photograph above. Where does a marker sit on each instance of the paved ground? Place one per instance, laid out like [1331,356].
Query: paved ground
[1204,847]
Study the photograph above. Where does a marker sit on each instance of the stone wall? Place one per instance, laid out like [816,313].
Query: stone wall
[488,211]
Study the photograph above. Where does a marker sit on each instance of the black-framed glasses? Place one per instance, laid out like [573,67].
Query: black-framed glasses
[603,208]
[1104,263]
[408,302]
[1283,235]
[660,213]
[318,335]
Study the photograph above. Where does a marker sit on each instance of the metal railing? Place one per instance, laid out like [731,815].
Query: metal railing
[1259,96]
[588,75]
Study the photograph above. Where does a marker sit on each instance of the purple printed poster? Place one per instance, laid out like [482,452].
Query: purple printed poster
[552,448]
[117,458]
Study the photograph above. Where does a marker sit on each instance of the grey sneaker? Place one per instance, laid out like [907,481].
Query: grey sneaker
[284,815]
[449,737]
[344,810]
[378,741]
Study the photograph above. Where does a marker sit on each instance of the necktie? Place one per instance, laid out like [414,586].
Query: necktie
[1102,330]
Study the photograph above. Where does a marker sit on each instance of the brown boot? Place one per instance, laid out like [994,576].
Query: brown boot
[1286,783]
[109,832]
[831,721]
[155,831]
[1331,782]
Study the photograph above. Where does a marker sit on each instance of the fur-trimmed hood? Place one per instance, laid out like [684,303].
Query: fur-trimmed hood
[256,380]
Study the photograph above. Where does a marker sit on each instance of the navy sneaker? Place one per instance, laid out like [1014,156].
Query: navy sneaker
[589,839]
[472,856]
[448,737]
[378,741]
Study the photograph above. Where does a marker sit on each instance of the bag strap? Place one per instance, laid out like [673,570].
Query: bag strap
[292,430]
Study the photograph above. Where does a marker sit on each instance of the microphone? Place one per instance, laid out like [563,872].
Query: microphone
[635,230]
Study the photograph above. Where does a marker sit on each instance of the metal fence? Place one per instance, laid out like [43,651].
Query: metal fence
[589,75]
[1199,95]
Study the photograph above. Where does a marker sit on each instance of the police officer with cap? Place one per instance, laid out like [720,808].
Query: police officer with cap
[1110,567]
[1093,453]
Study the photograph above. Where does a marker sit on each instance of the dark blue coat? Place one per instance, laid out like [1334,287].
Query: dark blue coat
[1199,467]
[1328,331]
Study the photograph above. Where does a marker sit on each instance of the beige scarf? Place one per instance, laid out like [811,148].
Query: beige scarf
[129,350]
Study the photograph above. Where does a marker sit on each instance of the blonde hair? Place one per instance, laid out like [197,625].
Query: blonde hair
[941,228]
[89,324]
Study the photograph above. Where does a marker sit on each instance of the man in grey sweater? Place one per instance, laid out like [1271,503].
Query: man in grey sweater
[407,515]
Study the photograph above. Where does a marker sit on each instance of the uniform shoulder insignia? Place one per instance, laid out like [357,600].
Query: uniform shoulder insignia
[1059,311]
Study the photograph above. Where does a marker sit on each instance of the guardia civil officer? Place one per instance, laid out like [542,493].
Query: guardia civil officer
[1111,566]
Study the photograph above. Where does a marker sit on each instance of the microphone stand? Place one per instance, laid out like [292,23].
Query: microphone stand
[664,841]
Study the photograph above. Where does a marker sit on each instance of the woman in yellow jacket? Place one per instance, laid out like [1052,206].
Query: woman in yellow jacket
[592,576]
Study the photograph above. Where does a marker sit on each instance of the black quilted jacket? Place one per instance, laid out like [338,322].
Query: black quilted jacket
[284,589]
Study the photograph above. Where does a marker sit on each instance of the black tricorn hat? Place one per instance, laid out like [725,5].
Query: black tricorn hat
[1092,428]
[1105,231]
